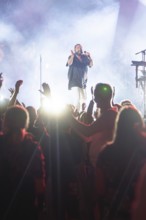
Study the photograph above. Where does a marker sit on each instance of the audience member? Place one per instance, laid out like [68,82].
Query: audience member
[96,135]
[87,116]
[118,166]
[138,208]
[86,169]
[126,102]
[101,130]
[22,170]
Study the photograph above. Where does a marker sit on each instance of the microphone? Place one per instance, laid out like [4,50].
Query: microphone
[87,54]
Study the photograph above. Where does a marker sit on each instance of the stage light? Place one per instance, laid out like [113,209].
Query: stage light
[143,2]
[53,106]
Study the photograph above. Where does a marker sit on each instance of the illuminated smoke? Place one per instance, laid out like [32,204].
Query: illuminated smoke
[44,29]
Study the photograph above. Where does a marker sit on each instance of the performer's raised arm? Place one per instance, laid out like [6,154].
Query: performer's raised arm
[89,58]
[70,59]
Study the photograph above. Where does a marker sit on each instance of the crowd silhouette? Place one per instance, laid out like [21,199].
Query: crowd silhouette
[88,165]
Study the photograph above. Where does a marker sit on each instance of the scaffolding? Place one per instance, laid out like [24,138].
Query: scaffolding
[141,79]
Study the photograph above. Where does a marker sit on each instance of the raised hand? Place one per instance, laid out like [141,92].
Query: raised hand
[87,54]
[1,80]
[46,89]
[17,85]
[92,92]
[11,91]
[13,99]
[72,53]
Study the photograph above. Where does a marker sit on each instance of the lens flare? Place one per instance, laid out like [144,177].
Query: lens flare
[53,106]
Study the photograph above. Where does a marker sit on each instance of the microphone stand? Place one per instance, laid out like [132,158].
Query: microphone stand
[40,79]
[144,73]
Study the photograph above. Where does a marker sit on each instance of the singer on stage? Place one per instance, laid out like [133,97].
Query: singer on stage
[78,63]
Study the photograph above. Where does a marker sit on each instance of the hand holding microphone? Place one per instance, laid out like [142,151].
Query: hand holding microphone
[87,54]
[89,57]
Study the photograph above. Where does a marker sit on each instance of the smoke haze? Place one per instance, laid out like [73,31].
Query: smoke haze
[36,37]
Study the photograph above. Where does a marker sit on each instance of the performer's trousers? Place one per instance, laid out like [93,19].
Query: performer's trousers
[79,97]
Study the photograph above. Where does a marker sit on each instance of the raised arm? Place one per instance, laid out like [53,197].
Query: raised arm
[70,59]
[15,93]
[12,91]
[103,124]
[1,80]
[91,63]
[46,90]
[91,104]
[90,59]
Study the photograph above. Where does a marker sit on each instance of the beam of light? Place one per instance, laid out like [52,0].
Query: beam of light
[53,106]
[54,44]
[1,98]
[54,37]
[143,2]
[1,55]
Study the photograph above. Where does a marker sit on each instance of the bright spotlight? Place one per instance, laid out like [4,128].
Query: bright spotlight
[53,106]
[143,2]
